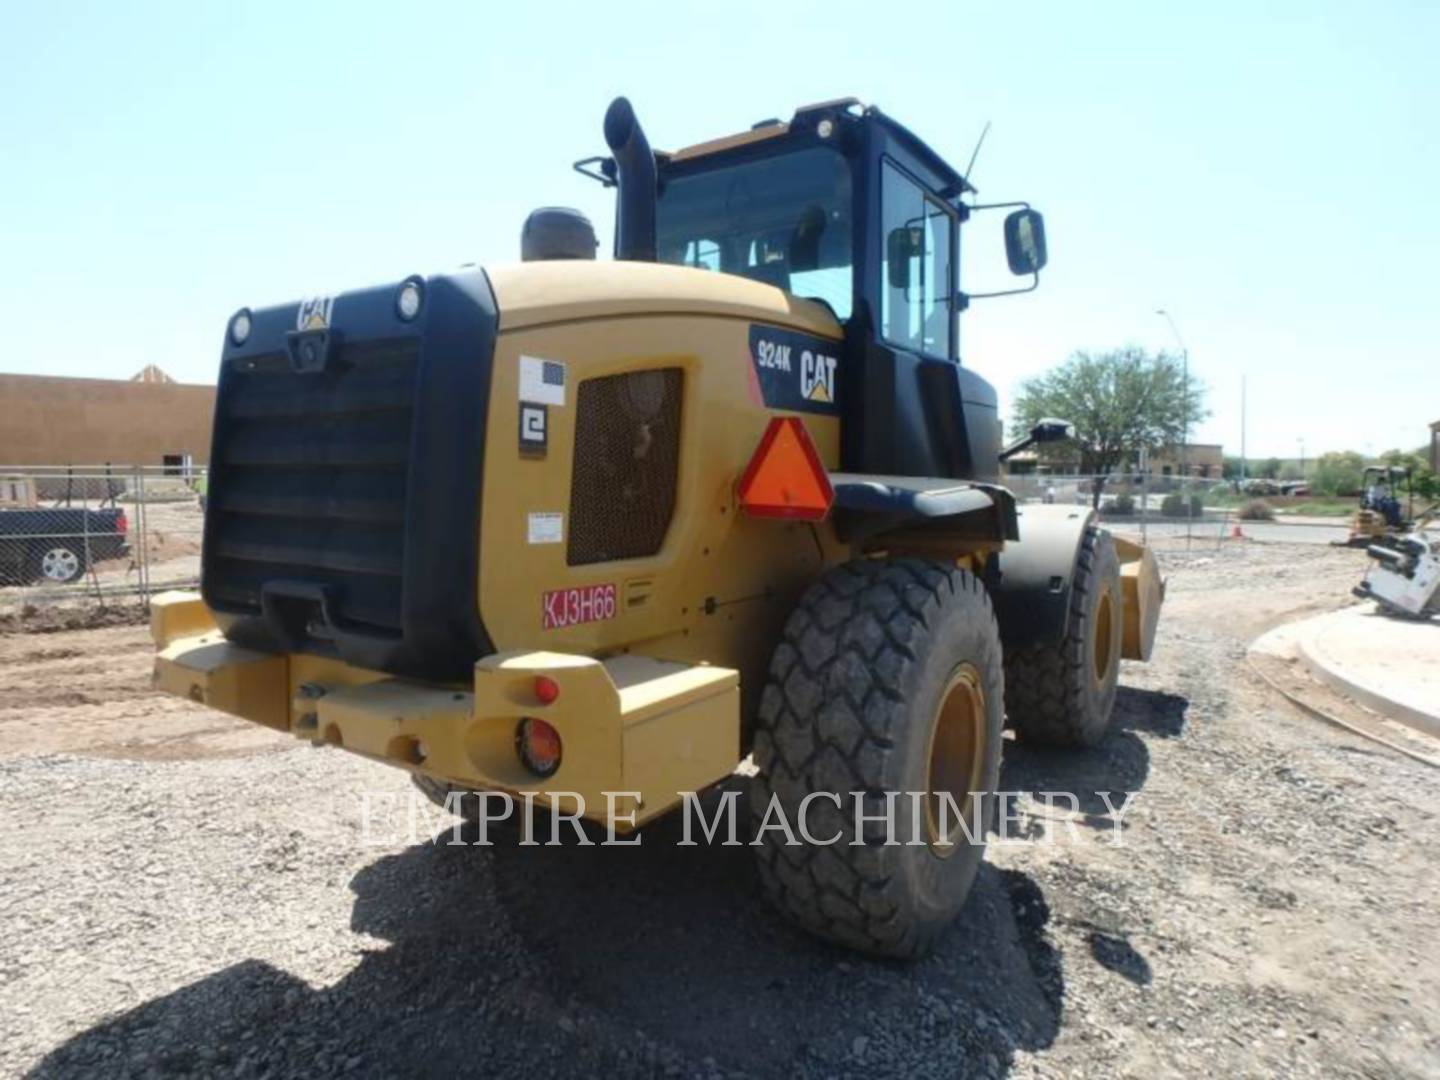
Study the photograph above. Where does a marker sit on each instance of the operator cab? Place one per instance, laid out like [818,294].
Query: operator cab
[844,206]
[791,205]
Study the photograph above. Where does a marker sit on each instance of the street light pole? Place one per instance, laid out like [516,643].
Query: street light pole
[1242,431]
[1184,425]
[1185,391]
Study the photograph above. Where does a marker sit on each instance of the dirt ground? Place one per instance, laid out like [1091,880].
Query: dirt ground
[182,894]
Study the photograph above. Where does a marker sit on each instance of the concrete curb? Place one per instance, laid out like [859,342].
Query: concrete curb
[1388,665]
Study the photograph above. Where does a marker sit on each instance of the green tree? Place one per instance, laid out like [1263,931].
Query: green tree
[1269,468]
[1340,472]
[1291,471]
[1119,401]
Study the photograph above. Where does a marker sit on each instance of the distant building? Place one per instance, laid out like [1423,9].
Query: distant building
[147,420]
[1205,460]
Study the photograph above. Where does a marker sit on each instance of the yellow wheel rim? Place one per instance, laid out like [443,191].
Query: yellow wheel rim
[1104,637]
[957,759]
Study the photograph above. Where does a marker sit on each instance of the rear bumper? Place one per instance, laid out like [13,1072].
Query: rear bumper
[642,730]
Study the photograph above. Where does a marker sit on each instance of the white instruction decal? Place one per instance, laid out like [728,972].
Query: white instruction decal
[546,528]
[542,381]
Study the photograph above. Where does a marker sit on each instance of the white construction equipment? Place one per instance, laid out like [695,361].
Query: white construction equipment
[1405,576]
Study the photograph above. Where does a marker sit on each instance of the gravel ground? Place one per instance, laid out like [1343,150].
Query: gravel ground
[182,894]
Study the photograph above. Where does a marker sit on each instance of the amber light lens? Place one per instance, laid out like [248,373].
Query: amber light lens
[538,745]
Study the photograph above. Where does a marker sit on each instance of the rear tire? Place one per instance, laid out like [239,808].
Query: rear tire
[1064,694]
[888,678]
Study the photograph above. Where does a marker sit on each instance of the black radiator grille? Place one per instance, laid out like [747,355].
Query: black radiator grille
[311,476]
[626,465]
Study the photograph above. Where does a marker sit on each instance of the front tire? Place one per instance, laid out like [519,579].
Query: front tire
[1063,694]
[888,678]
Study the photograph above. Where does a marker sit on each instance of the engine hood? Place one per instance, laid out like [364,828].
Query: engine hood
[537,293]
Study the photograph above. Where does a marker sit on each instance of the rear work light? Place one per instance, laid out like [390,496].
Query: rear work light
[785,478]
[538,745]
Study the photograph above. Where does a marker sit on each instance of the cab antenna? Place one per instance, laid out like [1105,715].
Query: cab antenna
[976,153]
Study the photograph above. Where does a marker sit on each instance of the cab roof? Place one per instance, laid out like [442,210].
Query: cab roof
[847,110]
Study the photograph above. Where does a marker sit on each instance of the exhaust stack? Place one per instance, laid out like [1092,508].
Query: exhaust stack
[635,175]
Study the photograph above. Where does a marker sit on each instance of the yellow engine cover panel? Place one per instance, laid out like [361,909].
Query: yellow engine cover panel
[721,583]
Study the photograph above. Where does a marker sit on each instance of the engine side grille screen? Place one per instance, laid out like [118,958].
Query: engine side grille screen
[627,461]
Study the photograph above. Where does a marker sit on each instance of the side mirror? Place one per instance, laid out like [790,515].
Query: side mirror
[1050,429]
[902,245]
[1025,241]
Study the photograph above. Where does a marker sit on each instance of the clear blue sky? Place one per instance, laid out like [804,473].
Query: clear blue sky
[1269,177]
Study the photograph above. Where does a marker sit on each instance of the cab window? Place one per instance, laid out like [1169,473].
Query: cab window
[701,254]
[784,220]
[916,288]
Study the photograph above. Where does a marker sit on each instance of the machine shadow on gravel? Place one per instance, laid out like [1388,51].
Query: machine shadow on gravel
[636,959]
[627,960]
[1074,780]
[1119,766]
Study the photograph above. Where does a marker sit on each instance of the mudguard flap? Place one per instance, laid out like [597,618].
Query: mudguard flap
[1029,581]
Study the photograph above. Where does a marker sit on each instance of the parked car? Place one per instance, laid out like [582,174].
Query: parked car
[58,544]
[1262,487]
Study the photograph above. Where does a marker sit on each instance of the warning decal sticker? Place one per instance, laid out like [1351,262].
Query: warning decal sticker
[545,528]
[542,382]
[795,371]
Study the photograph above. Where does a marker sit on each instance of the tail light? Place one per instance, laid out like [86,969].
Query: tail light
[122,523]
[538,745]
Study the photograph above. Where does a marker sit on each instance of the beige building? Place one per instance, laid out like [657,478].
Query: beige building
[1202,459]
[1206,460]
[149,420]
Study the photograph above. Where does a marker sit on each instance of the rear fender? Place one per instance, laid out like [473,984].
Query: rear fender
[1030,580]
[917,513]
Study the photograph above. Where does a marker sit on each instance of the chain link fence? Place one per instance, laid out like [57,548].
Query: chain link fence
[97,536]
[115,535]
[1197,510]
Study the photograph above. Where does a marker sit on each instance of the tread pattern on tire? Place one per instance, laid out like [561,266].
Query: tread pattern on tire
[1045,684]
[829,718]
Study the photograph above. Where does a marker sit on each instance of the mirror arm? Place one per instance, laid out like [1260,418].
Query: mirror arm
[962,299]
[972,207]
[1015,447]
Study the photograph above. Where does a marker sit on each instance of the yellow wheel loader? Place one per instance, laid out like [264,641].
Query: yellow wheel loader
[596,531]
